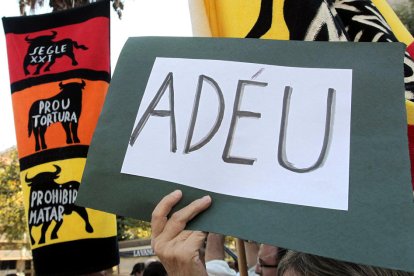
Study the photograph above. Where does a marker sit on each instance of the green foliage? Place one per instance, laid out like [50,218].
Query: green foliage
[12,214]
[129,228]
[406,14]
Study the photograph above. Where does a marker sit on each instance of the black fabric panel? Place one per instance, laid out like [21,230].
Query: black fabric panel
[51,155]
[264,21]
[40,22]
[105,255]
[322,35]
[298,16]
[79,74]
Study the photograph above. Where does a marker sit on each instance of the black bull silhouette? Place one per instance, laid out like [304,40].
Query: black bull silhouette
[49,201]
[43,49]
[64,108]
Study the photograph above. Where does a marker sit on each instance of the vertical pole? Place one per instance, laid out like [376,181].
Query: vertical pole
[241,257]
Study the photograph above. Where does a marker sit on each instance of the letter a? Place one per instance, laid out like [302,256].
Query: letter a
[168,83]
[219,118]
[281,155]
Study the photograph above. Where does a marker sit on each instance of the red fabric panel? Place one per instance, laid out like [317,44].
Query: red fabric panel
[88,34]
[410,49]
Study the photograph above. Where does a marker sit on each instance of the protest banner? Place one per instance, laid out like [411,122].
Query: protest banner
[313,20]
[59,68]
[291,139]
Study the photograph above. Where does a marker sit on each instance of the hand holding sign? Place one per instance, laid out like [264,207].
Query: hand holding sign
[177,249]
[356,203]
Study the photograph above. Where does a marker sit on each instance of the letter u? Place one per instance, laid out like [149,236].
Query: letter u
[281,156]
[64,107]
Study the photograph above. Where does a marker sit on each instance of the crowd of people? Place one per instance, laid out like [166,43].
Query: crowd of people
[151,268]
[196,253]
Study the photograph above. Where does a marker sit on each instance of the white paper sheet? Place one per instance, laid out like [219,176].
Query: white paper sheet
[257,139]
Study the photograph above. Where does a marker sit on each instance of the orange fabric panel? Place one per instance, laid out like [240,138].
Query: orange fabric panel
[92,103]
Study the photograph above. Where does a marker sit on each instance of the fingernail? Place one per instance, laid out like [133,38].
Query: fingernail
[176,193]
[206,198]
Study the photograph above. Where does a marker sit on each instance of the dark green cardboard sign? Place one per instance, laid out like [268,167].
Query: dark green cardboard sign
[378,226]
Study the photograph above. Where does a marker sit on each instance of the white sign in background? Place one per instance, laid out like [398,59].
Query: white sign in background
[297,177]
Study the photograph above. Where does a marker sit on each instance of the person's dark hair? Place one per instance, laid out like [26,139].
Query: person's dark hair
[155,269]
[281,252]
[138,267]
[303,264]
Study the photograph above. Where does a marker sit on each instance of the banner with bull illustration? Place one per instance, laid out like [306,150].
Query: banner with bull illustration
[59,73]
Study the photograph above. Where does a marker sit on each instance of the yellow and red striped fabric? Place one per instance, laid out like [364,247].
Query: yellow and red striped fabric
[59,68]
[311,20]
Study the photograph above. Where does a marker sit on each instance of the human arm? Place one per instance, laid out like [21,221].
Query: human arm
[214,247]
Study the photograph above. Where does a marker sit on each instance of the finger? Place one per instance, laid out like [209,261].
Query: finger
[179,219]
[197,239]
[195,242]
[190,243]
[161,211]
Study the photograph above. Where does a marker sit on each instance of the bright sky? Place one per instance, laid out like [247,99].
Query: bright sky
[140,18]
